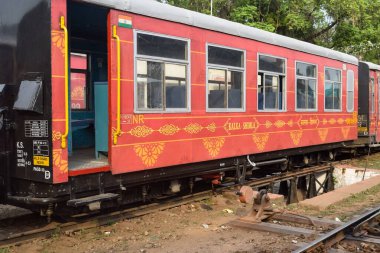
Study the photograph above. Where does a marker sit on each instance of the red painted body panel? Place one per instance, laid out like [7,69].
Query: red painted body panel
[60,160]
[159,140]
[374,115]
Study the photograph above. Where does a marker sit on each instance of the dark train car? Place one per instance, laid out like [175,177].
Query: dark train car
[368,105]
[116,101]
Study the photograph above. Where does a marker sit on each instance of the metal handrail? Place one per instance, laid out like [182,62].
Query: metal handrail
[117,133]
[67,126]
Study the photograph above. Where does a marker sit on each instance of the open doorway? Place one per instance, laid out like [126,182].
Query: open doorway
[88,136]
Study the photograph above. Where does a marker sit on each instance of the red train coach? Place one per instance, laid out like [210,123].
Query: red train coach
[368,105]
[117,94]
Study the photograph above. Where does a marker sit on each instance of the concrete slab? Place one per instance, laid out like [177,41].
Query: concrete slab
[323,201]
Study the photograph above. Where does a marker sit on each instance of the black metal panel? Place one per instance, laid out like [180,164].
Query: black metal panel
[363,87]
[25,35]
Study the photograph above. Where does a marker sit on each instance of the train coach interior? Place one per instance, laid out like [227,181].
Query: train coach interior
[88,136]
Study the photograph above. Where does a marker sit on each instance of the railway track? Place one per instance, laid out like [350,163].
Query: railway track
[364,228]
[9,236]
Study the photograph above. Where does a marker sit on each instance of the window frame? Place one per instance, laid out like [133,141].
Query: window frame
[353,91]
[372,95]
[324,90]
[164,60]
[273,74]
[306,78]
[227,68]
[88,89]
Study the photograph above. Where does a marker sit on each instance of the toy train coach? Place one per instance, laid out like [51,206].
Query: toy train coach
[118,101]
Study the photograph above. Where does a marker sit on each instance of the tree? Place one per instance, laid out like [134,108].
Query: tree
[345,25]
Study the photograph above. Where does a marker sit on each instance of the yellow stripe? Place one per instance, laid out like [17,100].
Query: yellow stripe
[124,80]
[198,84]
[258,114]
[58,120]
[223,136]
[198,52]
[124,41]
[251,60]
[58,76]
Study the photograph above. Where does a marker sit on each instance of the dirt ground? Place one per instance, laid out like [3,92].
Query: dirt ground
[198,227]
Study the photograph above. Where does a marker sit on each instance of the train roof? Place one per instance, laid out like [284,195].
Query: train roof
[372,66]
[168,12]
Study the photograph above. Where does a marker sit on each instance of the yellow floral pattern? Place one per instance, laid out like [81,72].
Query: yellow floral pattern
[323,133]
[168,129]
[58,40]
[260,140]
[59,162]
[149,153]
[193,128]
[213,145]
[296,137]
[141,131]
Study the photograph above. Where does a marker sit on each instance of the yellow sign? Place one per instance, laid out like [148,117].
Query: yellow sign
[41,161]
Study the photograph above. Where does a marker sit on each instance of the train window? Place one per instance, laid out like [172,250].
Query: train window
[333,89]
[350,90]
[225,86]
[372,90]
[78,81]
[162,73]
[271,83]
[306,86]
[163,47]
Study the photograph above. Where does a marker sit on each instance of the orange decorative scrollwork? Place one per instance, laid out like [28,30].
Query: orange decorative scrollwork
[213,145]
[323,133]
[279,123]
[211,127]
[168,129]
[345,132]
[149,153]
[268,124]
[296,136]
[58,40]
[141,131]
[193,128]
[59,162]
[56,135]
[77,93]
[260,140]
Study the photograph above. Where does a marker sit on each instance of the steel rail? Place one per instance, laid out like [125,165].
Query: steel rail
[338,234]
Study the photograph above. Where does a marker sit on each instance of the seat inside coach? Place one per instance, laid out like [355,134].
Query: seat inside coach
[88,136]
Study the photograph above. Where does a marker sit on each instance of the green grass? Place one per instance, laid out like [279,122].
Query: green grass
[344,208]
[4,250]
[373,161]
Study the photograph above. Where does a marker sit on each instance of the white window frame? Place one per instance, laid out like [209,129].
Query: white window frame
[353,91]
[285,92]
[324,90]
[162,60]
[306,78]
[227,68]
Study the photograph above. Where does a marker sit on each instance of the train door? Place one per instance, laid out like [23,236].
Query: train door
[88,86]
[378,109]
